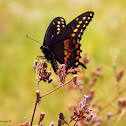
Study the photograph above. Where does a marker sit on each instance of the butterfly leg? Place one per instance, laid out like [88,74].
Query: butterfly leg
[82,65]
[42,57]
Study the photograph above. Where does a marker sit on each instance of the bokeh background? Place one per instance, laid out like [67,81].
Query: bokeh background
[104,41]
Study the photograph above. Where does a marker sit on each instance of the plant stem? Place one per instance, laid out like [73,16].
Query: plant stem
[37,98]
[37,79]
[34,112]
[56,88]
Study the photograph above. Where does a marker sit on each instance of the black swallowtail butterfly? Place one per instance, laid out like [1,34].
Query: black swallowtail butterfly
[62,42]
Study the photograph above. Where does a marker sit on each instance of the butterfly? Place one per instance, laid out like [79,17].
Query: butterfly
[62,42]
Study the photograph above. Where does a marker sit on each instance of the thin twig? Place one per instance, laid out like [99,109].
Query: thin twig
[37,79]
[36,101]
[37,97]
[109,103]
[120,116]
[57,88]
[34,112]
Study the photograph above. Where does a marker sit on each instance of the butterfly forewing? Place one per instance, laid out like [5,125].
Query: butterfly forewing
[75,28]
[53,30]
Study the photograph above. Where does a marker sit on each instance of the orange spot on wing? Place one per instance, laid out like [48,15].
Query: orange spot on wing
[78,52]
[66,60]
[77,57]
[67,47]
[76,63]
[68,57]
[73,34]
[66,52]
[76,46]
[74,41]
[66,64]
[69,54]
[66,42]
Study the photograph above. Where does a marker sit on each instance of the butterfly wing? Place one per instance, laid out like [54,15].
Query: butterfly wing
[66,46]
[53,30]
[75,28]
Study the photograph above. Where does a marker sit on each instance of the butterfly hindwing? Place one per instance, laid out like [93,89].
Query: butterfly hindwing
[58,51]
[71,53]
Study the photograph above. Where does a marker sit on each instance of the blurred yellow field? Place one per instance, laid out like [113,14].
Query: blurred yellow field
[104,41]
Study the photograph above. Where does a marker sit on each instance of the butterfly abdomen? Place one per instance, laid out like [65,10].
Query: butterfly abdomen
[50,57]
[53,62]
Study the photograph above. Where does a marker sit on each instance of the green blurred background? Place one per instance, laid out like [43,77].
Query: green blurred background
[104,41]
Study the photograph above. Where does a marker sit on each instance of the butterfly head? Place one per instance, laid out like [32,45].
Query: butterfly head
[46,51]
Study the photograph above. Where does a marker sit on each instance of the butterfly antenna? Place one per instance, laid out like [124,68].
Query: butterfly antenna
[33,39]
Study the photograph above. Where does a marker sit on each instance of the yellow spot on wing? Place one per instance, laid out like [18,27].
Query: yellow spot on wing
[76,63]
[79,35]
[58,33]
[62,19]
[81,30]
[63,26]
[62,22]
[84,25]
[75,30]
[80,22]
[58,29]
[78,26]
[86,22]
[88,18]
[84,18]
[73,34]
[58,25]
[76,19]
[90,14]
[53,23]
[58,22]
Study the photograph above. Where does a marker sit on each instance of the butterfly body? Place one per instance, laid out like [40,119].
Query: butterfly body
[62,42]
